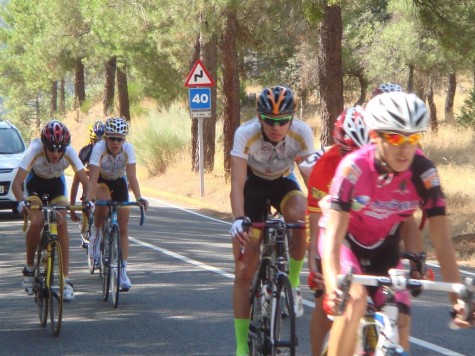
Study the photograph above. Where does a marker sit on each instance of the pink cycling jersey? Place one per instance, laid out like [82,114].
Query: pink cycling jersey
[379,202]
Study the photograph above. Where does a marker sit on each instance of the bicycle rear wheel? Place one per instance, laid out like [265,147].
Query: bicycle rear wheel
[55,287]
[40,287]
[106,255]
[283,319]
[115,265]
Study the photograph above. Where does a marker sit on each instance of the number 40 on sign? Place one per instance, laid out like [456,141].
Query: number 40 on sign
[200,99]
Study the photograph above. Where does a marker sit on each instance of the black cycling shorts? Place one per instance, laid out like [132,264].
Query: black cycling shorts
[258,190]
[54,187]
[118,188]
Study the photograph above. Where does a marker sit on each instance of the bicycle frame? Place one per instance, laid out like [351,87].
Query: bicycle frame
[111,260]
[48,254]
[264,332]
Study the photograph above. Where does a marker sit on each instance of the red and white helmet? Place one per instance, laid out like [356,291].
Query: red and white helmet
[55,136]
[350,131]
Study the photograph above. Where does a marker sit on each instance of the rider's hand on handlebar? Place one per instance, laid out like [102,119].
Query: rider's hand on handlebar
[143,202]
[331,302]
[315,280]
[88,206]
[238,232]
[22,207]
[460,317]
[74,216]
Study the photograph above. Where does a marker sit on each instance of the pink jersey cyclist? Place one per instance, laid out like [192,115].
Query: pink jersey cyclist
[377,213]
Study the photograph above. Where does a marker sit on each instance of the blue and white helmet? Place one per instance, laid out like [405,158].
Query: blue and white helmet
[116,125]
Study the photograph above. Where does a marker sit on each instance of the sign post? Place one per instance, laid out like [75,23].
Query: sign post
[199,82]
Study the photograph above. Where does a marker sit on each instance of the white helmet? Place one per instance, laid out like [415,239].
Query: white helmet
[116,125]
[397,111]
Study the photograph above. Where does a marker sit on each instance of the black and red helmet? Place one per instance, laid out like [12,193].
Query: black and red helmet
[350,131]
[55,136]
[276,100]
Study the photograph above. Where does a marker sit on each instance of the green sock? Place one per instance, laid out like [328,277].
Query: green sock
[241,328]
[295,267]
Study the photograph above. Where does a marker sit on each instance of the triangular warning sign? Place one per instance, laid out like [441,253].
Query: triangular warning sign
[199,76]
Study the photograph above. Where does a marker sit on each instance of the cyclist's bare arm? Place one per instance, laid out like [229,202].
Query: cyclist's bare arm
[238,179]
[439,231]
[73,195]
[131,172]
[17,186]
[412,236]
[334,234]
[304,171]
[92,184]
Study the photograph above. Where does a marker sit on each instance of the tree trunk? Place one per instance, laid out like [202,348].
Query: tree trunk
[79,86]
[109,87]
[363,87]
[209,53]
[123,92]
[432,108]
[449,100]
[54,98]
[230,86]
[410,79]
[62,97]
[330,68]
[195,158]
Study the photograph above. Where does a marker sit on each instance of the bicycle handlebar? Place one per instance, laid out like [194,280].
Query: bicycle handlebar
[274,223]
[465,291]
[110,203]
[52,207]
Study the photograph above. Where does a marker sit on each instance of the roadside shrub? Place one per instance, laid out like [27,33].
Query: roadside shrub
[159,136]
[467,116]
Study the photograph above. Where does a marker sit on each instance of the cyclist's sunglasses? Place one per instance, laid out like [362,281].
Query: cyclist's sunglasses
[398,139]
[272,121]
[54,149]
[118,139]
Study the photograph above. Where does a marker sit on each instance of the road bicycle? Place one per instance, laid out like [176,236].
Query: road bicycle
[49,279]
[378,331]
[111,254]
[272,323]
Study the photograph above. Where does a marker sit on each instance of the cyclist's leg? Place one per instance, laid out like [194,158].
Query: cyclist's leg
[319,326]
[100,215]
[343,333]
[245,265]
[34,231]
[245,268]
[293,207]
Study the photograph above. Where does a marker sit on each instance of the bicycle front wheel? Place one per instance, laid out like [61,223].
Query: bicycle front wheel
[106,254]
[55,287]
[40,290]
[284,339]
[115,265]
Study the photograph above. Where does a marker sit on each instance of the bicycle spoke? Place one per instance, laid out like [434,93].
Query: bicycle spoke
[56,286]
[106,266]
[39,288]
[115,266]
[283,320]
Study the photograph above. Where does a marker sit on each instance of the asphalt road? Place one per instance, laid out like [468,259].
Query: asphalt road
[181,268]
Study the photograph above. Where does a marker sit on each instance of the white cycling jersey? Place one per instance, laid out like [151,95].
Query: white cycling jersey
[112,168]
[267,160]
[35,159]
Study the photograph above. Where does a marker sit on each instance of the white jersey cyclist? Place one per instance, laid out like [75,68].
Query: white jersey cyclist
[267,160]
[36,162]
[112,168]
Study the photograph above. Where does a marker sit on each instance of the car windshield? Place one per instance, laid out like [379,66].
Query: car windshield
[11,142]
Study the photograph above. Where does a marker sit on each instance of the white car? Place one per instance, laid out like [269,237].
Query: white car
[12,150]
